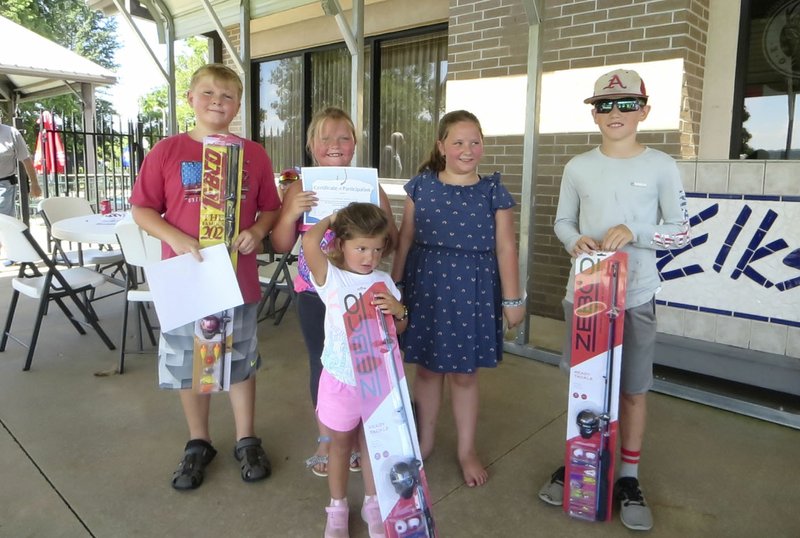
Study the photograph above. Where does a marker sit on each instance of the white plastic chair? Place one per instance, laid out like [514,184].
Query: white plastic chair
[48,284]
[276,275]
[64,207]
[139,249]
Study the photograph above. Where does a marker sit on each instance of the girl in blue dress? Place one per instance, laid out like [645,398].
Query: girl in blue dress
[457,259]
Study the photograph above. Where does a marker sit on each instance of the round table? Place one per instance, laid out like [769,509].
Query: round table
[88,228]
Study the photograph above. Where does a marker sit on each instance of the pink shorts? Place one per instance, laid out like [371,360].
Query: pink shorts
[338,404]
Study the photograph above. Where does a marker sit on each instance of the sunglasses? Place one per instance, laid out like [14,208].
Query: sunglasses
[627,104]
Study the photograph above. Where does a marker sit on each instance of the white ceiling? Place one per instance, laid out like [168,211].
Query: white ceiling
[191,18]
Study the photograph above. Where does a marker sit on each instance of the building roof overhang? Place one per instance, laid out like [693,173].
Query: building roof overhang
[191,18]
[44,68]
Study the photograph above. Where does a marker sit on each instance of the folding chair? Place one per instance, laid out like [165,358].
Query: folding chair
[52,285]
[276,277]
[64,207]
[139,249]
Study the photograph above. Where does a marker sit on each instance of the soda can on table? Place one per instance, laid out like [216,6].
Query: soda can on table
[105,206]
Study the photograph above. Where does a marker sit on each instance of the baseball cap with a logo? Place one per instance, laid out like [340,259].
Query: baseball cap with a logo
[616,84]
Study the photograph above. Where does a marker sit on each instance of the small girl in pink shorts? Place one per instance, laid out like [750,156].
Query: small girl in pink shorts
[362,238]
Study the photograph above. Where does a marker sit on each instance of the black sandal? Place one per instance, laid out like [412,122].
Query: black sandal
[255,464]
[196,456]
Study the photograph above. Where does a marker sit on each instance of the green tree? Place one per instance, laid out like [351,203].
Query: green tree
[153,106]
[71,24]
[746,136]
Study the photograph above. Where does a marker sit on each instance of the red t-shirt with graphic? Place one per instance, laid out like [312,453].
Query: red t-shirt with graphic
[169,182]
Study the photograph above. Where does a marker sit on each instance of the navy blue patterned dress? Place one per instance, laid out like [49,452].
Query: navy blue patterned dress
[451,277]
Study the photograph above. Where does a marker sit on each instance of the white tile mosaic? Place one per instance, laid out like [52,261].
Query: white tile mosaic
[712,177]
[688,170]
[768,337]
[782,178]
[670,320]
[793,342]
[700,325]
[746,178]
[733,331]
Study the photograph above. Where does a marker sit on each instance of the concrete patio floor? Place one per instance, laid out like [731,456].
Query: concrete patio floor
[82,455]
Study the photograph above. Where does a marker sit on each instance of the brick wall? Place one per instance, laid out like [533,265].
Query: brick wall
[489,38]
[504,154]
[592,33]
[694,19]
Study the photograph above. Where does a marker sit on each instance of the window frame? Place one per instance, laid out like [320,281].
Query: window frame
[373,43]
[740,78]
[741,73]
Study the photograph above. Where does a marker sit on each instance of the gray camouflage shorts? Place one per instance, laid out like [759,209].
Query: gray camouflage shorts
[176,351]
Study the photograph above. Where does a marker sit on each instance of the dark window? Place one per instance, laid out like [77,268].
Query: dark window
[403,99]
[412,81]
[280,111]
[769,66]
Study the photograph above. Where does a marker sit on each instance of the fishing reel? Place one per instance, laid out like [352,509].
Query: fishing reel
[213,325]
[404,476]
[589,422]
[210,325]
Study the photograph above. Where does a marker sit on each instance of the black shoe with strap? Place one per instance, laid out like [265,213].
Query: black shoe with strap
[254,462]
[190,472]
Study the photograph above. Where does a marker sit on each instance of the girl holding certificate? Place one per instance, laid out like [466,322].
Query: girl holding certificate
[331,142]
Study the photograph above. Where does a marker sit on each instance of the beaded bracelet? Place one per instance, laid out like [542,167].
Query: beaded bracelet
[512,303]
[404,316]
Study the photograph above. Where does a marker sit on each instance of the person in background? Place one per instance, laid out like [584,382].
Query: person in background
[331,142]
[13,150]
[458,265]
[285,180]
[165,203]
[623,196]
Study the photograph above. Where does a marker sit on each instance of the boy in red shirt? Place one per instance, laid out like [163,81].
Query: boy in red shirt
[166,204]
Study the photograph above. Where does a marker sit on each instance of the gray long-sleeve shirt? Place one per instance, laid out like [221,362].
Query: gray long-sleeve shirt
[643,192]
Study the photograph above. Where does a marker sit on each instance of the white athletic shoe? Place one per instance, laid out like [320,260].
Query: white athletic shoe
[633,510]
[552,492]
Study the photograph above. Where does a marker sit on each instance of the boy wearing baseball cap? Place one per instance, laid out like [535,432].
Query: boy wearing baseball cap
[624,196]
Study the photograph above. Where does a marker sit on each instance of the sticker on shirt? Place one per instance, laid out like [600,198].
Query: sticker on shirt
[191,178]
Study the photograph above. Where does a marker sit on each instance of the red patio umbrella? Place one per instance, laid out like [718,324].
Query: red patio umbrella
[49,147]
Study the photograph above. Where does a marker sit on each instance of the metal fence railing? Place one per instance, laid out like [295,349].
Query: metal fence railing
[99,161]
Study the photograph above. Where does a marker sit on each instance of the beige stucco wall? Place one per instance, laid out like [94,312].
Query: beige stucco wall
[308,27]
[719,83]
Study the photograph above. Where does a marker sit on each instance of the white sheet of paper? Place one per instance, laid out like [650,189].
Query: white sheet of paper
[185,290]
[337,186]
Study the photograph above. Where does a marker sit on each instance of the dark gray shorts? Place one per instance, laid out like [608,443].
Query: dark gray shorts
[638,346]
[176,351]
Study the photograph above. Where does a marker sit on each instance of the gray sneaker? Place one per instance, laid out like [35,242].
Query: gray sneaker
[633,510]
[552,492]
